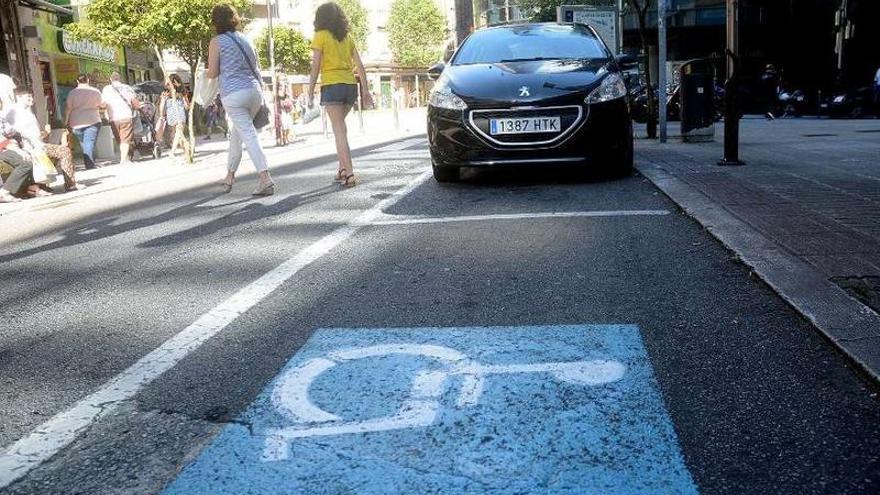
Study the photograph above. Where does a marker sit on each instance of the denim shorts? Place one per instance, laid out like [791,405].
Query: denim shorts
[339,94]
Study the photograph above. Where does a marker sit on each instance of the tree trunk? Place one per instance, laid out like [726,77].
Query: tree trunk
[194,74]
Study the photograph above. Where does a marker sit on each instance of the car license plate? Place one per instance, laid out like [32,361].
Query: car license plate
[524,125]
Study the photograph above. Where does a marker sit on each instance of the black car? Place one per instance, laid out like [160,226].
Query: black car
[530,94]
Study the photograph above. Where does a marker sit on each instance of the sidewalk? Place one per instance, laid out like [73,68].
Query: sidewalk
[379,126]
[804,213]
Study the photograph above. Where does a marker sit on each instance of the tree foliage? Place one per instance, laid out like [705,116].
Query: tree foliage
[545,10]
[293,52]
[183,26]
[357,20]
[416,32]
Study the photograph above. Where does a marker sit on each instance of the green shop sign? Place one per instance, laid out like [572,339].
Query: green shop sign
[85,48]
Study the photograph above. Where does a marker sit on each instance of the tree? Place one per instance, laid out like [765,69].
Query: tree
[293,52]
[416,32]
[545,10]
[357,20]
[183,26]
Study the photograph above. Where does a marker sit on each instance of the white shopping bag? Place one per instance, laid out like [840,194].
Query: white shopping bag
[311,114]
[206,89]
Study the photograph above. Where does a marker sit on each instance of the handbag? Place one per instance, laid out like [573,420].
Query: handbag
[261,119]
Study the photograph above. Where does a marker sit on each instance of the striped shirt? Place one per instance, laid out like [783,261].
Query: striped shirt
[235,72]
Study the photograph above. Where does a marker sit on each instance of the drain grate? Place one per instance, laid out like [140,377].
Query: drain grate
[865,289]
[820,135]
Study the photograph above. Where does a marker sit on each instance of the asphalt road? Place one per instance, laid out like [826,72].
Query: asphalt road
[756,401]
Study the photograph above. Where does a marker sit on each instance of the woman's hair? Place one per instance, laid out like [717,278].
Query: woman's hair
[82,78]
[330,16]
[174,78]
[225,18]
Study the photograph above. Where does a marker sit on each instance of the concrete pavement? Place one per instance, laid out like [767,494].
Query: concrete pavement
[311,140]
[804,213]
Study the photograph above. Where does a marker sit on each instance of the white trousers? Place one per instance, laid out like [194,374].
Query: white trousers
[241,106]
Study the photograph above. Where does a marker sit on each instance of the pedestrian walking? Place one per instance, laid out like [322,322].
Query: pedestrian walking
[22,119]
[173,106]
[770,88]
[82,115]
[121,105]
[335,58]
[214,116]
[232,58]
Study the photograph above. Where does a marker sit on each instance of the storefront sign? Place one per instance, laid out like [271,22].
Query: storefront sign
[85,48]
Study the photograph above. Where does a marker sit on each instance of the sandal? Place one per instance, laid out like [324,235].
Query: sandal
[340,176]
[267,189]
[349,180]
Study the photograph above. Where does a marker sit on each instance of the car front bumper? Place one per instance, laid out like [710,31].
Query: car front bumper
[605,130]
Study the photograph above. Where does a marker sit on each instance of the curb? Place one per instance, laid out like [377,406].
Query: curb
[854,329]
[205,161]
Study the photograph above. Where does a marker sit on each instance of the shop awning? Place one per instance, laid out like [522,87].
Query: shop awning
[46,7]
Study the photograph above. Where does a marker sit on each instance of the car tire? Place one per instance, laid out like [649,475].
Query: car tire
[445,174]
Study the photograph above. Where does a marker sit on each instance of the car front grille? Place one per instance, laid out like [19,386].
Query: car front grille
[571,117]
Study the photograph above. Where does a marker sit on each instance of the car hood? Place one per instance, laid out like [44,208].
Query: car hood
[544,80]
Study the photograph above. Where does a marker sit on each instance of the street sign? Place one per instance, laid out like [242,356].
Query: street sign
[563,409]
[605,20]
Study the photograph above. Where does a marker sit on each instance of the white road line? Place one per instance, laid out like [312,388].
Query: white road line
[62,429]
[391,220]
[401,145]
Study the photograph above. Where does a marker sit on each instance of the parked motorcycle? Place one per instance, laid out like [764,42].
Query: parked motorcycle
[793,103]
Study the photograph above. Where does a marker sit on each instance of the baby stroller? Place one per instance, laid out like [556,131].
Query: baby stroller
[144,139]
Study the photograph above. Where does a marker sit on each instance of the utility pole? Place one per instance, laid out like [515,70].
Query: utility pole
[661,66]
[275,103]
[731,88]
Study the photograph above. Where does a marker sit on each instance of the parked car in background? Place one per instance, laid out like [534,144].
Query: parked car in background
[530,94]
[854,104]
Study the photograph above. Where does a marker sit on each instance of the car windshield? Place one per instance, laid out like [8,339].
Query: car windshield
[530,42]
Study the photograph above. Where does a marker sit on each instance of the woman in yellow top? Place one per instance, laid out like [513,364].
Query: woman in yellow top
[335,57]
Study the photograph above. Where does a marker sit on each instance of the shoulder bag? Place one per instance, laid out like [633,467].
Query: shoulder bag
[261,119]
[137,127]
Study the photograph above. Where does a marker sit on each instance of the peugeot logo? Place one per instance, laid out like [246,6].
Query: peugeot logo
[524,91]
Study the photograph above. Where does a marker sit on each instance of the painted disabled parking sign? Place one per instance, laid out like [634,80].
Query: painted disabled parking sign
[572,409]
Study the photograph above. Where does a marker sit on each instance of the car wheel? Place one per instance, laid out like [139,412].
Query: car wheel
[445,174]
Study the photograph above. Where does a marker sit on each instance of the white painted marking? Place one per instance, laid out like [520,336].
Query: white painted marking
[431,351]
[391,220]
[295,385]
[401,145]
[423,404]
[53,435]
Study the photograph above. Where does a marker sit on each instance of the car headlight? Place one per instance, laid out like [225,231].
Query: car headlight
[443,97]
[612,87]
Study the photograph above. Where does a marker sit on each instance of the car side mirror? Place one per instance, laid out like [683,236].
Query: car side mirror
[624,60]
[435,70]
